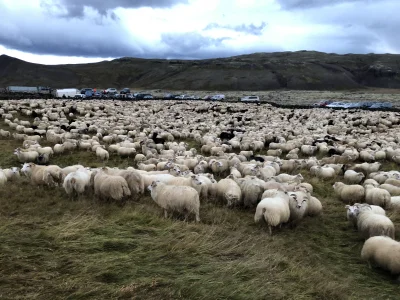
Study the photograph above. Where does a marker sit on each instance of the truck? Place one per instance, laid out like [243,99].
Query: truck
[65,93]
[29,89]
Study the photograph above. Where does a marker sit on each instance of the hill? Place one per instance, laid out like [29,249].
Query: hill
[301,70]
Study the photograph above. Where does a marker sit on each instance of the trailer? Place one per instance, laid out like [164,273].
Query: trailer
[66,93]
[22,89]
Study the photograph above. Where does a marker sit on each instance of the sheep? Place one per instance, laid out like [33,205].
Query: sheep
[377,196]
[274,152]
[351,212]
[392,189]
[384,252]
[12,174]
[325,173]
[353,177]
[3,178]
[288,178]
[133,178]
[182,199]
[146,167]
[58,148]
[126,152]
[298,205]
[274,209]
[26,156]
[229,191]
[371,224]
[5,133]
[108,187]
[349,193]
[370,181]
[102,153]
[76,183]
[314,207]
[42,175]
[393,181]
[252,189]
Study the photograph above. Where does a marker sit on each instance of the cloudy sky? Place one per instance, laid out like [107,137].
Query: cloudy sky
[79,31]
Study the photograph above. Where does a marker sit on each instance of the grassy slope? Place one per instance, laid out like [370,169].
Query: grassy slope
[52,248]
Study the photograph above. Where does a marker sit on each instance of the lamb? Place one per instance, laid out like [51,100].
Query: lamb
[273,209]
[107,187]
[229,191]
[76,183]
[353,177]
[182,199]
[384,252]
[377,196]
[371,224]
[349,193]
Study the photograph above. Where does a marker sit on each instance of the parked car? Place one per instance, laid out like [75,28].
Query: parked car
[148,97]
[352,105]
[322,103]
[250,99]
[141,96]
[336,105]
[125,91]
[218,97]
[368,103]
[111,91]
[79,96]
[169,96]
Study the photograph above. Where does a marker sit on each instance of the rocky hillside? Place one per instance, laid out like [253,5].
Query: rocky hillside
[303,70]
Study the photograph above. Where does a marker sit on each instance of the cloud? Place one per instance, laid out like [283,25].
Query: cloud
[304,4]
[76,8]
[245,28]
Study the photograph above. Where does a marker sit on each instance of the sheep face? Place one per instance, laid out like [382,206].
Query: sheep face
[300,201]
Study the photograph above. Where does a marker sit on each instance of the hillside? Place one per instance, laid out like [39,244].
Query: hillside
[303,70]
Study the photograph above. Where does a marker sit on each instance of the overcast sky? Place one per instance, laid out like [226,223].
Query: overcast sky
[79,31]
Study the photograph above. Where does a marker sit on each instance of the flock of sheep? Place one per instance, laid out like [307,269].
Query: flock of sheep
[250,156]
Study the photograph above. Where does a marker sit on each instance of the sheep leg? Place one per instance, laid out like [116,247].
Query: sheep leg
[197,218]
[165,214]
[270,230]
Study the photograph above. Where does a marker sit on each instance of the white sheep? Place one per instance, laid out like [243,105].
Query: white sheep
[133,178]
[325,173]
[353,177]
[26,156]
[76,183]
[298,205]
[384,252]
[395,203]
[377,196]
[314,207]
[349,193]
[351,211]
[109,187]
[42,175]
[229,191]
[273,209]
[392,189]
[182,199]
[12,174]
[102,153]
[372,224]
[3,177]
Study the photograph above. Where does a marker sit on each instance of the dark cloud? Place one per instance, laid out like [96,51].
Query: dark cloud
[193,45]
[246,28]
[302,4]
[76,8]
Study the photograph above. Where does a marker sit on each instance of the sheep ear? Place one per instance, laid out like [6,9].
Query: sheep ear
[347,206]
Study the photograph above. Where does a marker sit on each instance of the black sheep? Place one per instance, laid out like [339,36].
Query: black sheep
[257,158]
[156,139]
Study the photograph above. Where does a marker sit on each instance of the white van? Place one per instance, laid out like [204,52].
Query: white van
[250,99]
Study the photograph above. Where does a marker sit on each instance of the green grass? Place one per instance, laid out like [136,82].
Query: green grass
[53,248]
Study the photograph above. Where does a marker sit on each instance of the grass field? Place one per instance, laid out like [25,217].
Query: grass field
[53,248]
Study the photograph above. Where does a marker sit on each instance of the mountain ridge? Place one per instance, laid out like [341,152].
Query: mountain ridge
[300,70]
